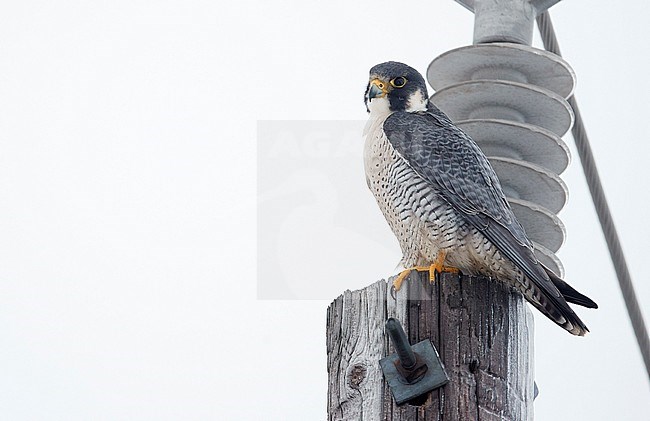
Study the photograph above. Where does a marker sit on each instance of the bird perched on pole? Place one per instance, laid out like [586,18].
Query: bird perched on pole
[443,201]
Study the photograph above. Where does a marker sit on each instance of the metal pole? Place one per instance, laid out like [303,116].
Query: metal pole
[505,20]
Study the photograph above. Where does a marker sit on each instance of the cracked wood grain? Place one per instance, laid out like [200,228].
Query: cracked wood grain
[483,332]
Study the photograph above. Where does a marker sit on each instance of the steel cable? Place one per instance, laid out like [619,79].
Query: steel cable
[600,203]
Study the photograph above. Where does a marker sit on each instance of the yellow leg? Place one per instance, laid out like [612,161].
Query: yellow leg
[437,266]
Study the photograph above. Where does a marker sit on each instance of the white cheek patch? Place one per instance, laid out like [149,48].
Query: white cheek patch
[417,102]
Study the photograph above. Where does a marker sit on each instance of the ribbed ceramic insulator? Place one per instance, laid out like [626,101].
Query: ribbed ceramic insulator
[511,99]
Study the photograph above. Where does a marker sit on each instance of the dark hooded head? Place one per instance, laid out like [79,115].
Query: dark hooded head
[397,86]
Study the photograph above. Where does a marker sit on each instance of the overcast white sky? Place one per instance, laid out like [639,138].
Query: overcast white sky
[128,203]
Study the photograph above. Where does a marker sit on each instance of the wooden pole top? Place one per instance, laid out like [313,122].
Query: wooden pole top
[482,330]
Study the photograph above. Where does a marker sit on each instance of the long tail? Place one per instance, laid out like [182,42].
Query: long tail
[569,293]
[560,313]
[554,305]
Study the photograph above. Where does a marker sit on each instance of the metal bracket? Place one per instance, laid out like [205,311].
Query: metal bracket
[413,370]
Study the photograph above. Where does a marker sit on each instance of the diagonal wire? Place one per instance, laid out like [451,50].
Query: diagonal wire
[600,202]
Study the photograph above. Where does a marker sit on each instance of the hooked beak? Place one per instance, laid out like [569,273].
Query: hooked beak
[378,89]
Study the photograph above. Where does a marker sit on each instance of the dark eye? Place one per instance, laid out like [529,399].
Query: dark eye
[398,82]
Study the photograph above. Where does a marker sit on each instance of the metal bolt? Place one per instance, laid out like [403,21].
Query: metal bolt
[411,371]
[401,343]
[410,365]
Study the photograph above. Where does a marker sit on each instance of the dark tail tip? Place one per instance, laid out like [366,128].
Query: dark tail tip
[569,293]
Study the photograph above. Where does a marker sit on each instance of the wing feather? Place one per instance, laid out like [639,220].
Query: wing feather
[455,167]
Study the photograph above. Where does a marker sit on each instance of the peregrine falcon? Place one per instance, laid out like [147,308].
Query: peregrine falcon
[443,201]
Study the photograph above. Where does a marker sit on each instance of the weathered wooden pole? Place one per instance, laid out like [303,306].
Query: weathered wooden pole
[482,330]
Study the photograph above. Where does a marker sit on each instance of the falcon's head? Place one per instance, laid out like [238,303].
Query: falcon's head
[394,87]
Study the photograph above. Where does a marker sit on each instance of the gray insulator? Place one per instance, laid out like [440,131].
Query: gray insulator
[549,259]
[542,225]
[525,142]
[505,20]
[510,99]
[505,100]
[526,181]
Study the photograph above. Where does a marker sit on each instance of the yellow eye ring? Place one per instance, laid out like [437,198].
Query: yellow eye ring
[398,82]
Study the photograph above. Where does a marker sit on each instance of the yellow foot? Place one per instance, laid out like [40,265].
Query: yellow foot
[436,267]
[397,283]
